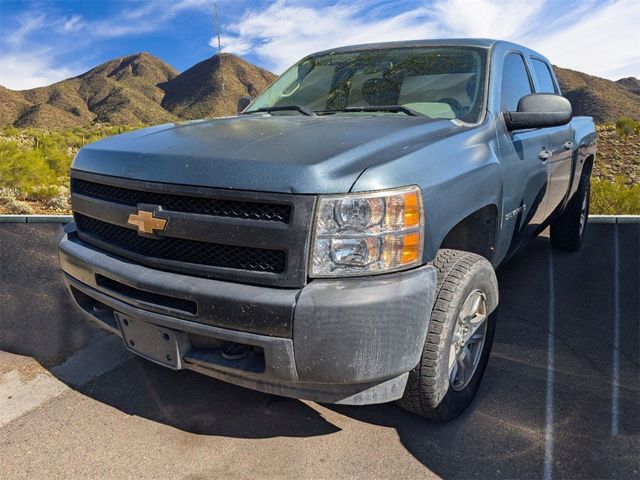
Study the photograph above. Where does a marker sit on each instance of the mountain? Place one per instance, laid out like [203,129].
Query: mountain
[604,100]
[630,83]
[120,91]
[142,89]
[197,92]
[138,89]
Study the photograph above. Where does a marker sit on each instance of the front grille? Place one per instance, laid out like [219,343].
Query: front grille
[182,203]
[182,250]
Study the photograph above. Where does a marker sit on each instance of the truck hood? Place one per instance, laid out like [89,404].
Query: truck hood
[287,154]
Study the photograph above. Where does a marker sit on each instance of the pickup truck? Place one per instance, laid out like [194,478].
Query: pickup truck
[336,240]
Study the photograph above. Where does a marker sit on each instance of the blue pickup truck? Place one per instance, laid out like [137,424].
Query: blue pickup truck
[336,240]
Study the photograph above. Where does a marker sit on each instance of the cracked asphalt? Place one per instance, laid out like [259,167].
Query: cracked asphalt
[560,398]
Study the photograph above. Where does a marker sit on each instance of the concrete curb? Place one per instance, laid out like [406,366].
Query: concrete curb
[68,218]
[35,218]
[614,218]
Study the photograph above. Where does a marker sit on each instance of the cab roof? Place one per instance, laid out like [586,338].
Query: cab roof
[438,42]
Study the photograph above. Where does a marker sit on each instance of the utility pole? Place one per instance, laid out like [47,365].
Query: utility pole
[224,96]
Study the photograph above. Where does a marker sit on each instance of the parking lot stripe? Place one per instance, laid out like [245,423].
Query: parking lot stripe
[26,389]
[549,427]
[27,386]
[615,384]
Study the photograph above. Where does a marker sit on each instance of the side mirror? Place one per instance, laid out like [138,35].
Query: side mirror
[539,110]
[243,102]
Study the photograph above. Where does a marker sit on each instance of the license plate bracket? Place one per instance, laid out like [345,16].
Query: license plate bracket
[153,342]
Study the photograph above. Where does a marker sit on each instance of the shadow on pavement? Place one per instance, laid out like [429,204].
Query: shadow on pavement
[202,405]
[549,392]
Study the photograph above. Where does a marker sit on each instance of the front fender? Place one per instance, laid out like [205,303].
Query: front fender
[457,175]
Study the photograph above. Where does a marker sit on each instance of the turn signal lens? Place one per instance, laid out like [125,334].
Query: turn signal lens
[411,210]
[368,233]
[410,248]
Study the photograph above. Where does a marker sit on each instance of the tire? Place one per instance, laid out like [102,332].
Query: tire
[430,392]
[567,231]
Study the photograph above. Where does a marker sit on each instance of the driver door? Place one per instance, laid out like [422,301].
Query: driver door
[524,173]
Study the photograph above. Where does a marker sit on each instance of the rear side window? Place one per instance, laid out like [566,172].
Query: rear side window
[515,82]
[543,74]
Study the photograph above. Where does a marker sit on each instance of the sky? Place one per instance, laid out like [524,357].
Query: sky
[44,41]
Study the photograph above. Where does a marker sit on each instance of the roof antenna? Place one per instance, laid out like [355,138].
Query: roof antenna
[224,97]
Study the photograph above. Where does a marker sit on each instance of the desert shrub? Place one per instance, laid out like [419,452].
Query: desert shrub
[23,169]
[627,126]
[16,207]
[614,198]
[60,203]
[7,193]
[43,193]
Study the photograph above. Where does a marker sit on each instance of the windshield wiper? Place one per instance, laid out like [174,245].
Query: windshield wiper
[284,108]
[379,108]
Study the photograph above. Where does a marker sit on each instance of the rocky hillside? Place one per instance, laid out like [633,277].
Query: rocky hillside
[630,83]
[618,156]
[138,89]
[197,92]
[605,100]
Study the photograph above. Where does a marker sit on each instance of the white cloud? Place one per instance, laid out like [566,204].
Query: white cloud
[27,24]
[486,18]
[231,44]
[148,17]
[604,42]
[284,33]
[72,24]
[600,39]
[24,71]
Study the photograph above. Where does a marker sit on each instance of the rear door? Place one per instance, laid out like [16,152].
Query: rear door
[559,146]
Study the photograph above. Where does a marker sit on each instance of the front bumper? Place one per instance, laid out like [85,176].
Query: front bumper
[347,341]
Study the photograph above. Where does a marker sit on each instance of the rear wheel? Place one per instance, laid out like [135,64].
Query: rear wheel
[459,337]
[567,231]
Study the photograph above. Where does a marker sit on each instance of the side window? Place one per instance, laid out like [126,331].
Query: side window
[543,75]
[515,82]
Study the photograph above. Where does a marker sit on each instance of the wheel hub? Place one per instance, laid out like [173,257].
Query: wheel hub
[468,340]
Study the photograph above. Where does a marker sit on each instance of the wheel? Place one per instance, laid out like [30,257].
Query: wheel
[459,337]
[567,231]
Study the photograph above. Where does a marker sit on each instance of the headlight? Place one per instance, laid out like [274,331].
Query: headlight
[367,233]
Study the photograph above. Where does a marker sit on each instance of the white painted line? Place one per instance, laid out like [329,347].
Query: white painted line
[29,386]
[549,426]
[24,390]
[615,383]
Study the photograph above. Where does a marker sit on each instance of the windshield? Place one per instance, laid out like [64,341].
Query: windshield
[439,82]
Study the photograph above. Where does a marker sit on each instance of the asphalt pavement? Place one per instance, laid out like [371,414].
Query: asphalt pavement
[560,398]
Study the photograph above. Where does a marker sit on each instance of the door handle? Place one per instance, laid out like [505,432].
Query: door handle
[568,145]
[545,154]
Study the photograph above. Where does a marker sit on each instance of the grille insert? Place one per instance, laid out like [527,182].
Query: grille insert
[181,250]
[181,203]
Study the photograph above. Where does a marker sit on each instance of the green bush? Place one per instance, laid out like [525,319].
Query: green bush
[23,169]
[627,126]
[35,163]
[614,198]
